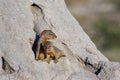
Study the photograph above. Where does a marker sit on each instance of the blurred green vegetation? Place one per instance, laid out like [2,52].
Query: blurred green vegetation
[113,54]
[107,37]
[117,2]
[108,32]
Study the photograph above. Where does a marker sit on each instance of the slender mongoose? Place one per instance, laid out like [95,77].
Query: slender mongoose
[52,52]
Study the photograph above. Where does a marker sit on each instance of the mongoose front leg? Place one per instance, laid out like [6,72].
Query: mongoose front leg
[38,49]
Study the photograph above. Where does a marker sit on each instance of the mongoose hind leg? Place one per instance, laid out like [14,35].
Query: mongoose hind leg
[41,56]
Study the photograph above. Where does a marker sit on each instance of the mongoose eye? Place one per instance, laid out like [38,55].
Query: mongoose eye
[51,34]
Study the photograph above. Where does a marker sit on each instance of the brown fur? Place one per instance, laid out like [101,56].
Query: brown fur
[41,56]
[52,52]
[44,36]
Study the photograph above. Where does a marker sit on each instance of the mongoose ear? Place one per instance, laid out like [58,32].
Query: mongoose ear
[43,32]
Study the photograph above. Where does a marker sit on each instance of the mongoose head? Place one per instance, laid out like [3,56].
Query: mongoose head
[48,34]
[48,45]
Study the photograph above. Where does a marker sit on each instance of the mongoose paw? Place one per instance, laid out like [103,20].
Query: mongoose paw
[48,62]
[55,61]
[36,59]
[44,60]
